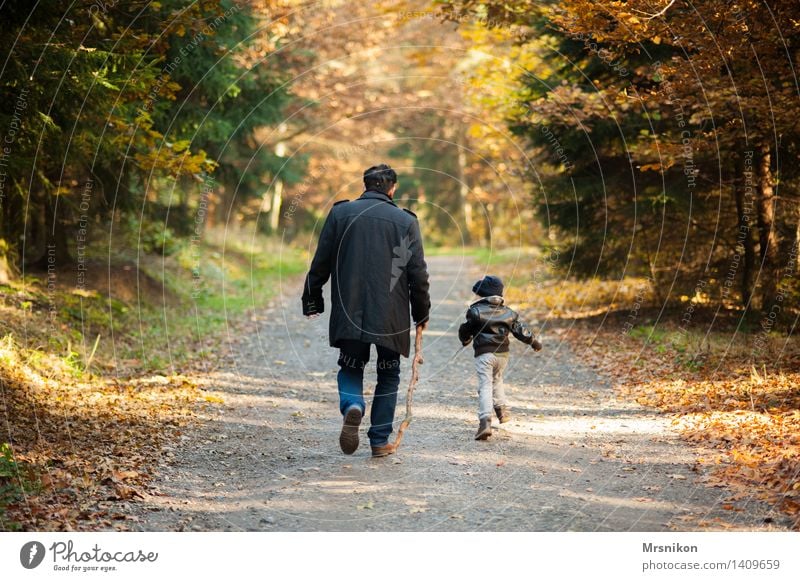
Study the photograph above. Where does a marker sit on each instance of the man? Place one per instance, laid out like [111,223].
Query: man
[372,252]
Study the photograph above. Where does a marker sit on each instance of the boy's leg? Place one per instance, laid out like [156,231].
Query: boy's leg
[484,365]
[385,400]
[498,386]
[353,357]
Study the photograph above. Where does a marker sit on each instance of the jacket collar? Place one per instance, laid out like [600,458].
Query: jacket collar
[492,300]
[374,195]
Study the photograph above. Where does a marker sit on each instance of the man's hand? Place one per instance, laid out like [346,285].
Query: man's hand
[313,307]
[536,345]
[313,316]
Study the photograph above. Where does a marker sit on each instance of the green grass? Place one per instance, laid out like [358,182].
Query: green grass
[649,334]
[210,288]
[14,482]
[688,346]
[513,265]
[482,255]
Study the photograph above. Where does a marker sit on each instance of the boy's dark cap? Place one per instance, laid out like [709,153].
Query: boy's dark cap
[488,286]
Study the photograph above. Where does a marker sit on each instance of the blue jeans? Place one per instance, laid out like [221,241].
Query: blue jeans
[353,358]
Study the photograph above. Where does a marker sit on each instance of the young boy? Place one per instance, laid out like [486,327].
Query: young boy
[488,325]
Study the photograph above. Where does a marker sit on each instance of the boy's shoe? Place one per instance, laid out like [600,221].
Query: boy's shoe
[502,413]
[484,429]
[381,451]
[348,439]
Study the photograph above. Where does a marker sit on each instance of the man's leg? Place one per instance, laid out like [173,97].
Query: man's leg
[383,406]
[353,356]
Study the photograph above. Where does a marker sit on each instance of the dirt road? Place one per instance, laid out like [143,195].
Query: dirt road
[574,458]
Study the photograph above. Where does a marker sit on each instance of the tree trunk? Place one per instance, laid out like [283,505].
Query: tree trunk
[655,285]
[57,244]
[33,245]
[767,236]
[275,207]
[222,207]
[463,192]
[212,206]
[5,270]
[745,242]
[277,188]
[487,226]
[5,267]
[797,243]
[9,235]
[52,243]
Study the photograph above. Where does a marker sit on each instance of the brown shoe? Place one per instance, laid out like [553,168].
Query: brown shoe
[484,429]
[502,413]
[348,439]
[381,451]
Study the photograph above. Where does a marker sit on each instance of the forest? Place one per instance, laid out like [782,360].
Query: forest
[630,168]
[637,141]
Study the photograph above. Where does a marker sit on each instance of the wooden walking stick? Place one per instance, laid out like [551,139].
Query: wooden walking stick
[418,360]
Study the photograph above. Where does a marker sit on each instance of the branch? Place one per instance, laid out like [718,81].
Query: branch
[657,14]
[292,135]
[418,360]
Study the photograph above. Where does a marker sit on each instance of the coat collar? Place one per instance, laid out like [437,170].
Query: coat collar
[374,195]
[492,300]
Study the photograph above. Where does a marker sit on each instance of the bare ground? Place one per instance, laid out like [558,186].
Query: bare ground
[574,458]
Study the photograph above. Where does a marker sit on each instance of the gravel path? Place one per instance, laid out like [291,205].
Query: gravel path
[574,458]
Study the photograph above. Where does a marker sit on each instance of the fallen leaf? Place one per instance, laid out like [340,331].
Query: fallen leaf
[121,475]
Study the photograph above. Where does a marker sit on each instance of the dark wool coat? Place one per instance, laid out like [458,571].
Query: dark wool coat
[372,252]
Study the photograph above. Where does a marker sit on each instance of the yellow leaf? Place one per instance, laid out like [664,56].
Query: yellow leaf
[181,145]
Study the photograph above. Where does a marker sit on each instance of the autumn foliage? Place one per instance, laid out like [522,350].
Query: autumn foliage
[80,445]
[740,406]
[648,149]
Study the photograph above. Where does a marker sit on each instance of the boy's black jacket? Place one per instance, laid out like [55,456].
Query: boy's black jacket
[489,324]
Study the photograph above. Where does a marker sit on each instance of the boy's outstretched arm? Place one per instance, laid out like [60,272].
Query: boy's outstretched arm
[521,331]
[467,329]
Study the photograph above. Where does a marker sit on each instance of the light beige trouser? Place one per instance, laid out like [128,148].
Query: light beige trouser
[491,393]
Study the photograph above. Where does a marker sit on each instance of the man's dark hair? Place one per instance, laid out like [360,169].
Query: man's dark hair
[380,178]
